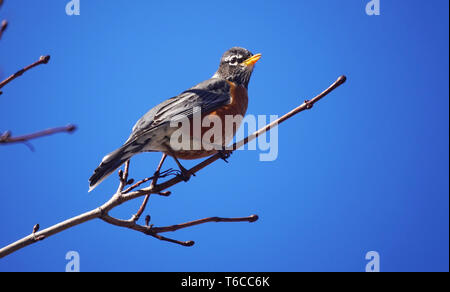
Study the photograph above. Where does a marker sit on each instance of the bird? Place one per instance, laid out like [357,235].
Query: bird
[224,94]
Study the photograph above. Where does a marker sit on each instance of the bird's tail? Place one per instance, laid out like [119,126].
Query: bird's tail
[108,165]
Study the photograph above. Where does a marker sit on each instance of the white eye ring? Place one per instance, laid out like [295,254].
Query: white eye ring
[233,59]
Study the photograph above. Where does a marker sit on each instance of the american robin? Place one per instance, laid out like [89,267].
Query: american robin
[224,94]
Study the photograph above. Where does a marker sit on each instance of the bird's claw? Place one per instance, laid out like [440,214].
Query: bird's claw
[225,154]
[185,175]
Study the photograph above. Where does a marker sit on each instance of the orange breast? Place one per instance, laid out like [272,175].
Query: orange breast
[237,107]
[238,104]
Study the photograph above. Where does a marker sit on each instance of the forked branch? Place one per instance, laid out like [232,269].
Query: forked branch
[122,196]
[3,27]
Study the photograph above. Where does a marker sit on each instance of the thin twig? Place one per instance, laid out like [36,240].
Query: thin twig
[42,60]
[123,177]
[163,174]
[6,138]
[3,27]
[176,227]
[154,231]
[153,183]
[119,198]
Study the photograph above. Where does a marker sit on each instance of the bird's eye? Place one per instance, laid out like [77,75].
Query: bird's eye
[233,60]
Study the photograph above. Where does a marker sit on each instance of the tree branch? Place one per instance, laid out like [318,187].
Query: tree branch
[120,197]
[154,231]
[6,137]
[42,60]
[3,27]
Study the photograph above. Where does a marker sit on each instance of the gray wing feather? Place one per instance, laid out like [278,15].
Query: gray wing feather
[207,96]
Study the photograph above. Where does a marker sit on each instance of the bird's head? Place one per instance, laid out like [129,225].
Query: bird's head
[237,66]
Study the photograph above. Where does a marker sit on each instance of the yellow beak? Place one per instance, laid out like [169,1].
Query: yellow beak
[252,60]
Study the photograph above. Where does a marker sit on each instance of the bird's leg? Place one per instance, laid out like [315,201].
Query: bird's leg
[158,170]
[184,173]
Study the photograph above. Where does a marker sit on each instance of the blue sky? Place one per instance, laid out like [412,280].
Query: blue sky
[366,169]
